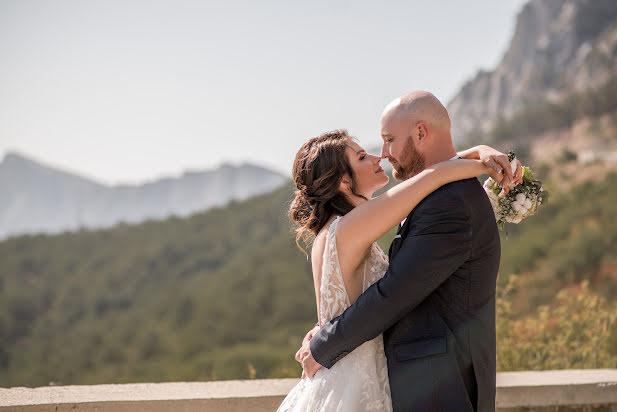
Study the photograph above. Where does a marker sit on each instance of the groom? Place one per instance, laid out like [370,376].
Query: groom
[436,303]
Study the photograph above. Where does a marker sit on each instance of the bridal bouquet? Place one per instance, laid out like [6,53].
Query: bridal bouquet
[521,201]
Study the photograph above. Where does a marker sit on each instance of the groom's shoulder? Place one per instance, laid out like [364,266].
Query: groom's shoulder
[458,192]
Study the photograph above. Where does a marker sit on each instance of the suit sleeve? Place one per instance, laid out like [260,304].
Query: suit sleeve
[438,242]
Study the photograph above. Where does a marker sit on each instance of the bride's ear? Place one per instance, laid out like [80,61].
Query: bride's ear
[345,184]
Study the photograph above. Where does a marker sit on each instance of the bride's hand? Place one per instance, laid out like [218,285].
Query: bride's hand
[500,164]
[497,174]
[499,167]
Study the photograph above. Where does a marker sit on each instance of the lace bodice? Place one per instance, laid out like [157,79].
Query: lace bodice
[334,298]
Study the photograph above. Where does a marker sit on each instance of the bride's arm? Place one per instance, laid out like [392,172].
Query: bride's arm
[372,219]
[497,161]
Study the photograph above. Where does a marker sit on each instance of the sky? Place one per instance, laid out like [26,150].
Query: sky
[129,91]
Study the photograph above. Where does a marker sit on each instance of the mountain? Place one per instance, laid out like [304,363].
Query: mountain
[37,198]
[559,47]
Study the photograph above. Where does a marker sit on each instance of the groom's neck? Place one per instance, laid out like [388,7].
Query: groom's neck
[439,154]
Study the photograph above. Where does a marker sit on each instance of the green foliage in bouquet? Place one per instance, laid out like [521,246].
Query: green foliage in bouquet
[520,202]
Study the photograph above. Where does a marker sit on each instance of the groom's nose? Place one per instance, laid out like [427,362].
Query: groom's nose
[384,152]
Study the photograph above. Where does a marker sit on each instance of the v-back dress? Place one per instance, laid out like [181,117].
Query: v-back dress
[359,381]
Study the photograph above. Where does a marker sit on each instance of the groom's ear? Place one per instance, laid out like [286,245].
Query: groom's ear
[423,132]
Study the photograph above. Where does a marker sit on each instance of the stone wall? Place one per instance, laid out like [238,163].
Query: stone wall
[555,391]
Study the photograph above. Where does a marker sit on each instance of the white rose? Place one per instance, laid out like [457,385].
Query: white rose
[520,198]
[528,203]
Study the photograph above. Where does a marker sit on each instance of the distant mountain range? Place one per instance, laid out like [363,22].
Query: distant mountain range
[559,47]
[38,198]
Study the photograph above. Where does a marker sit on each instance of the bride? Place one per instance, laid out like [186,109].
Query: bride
[334,207]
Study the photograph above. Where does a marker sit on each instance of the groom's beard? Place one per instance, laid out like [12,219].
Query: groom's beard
[411,162]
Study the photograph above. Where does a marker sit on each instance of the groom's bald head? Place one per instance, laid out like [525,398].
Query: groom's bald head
[418,106]
[416,132]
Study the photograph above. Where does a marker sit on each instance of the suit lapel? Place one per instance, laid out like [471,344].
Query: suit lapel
[398,239]
[395,245]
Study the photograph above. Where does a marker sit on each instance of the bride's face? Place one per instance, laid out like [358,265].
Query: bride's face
[369,176]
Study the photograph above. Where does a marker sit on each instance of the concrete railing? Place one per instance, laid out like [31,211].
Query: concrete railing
[565,390]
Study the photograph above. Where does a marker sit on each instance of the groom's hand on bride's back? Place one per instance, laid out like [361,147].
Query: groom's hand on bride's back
[309,364]
[306,340]
[301,353]
[310,334]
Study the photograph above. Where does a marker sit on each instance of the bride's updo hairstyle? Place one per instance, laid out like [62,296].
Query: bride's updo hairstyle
[319,166]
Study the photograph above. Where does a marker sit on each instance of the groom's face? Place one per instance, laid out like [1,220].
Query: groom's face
[400,150]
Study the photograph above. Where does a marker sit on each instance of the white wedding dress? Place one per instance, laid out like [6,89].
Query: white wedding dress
[359,381]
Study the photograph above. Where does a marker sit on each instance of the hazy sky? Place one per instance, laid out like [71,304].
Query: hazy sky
[127,91]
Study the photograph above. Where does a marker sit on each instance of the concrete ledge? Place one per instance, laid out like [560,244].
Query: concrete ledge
[547,390]
[557,388]
[254,395]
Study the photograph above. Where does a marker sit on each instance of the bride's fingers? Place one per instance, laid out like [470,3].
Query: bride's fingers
[505,184]
[505,188]
[493,165]
[519,172]
[504,163]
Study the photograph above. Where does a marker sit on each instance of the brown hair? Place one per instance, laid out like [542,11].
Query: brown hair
[319,166]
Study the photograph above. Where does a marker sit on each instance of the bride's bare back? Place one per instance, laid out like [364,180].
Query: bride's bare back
[353,273]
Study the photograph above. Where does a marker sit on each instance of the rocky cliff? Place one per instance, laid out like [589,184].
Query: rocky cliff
[559,47]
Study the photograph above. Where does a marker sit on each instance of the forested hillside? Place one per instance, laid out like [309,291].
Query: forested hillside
[213,296]
[226,294]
